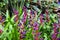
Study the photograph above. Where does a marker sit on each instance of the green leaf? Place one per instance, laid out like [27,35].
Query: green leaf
[45,35]
[12,19]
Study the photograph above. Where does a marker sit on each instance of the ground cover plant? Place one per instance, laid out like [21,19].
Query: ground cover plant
[30,20]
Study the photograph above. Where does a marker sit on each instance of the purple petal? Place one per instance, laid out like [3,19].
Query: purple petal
[24,20]
[54,36]
[35,24]
[55,24]
[41,15]
[23,32]
[19,24]
[15,11]
[35,28]
[31,12]
[24,7]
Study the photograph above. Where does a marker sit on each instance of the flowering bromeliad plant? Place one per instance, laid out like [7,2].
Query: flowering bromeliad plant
[29,22]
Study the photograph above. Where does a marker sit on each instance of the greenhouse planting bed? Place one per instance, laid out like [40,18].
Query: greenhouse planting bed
[30,20]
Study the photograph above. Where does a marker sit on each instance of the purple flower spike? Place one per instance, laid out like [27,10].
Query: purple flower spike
[23,32]
[24,8]
[24,20]
[53,35]
[55,28]
[35,28]
[15,11]
[55,24]
[25,15]
[41,15]
[31,12]
[35,25]
[41,18]
[19,24]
